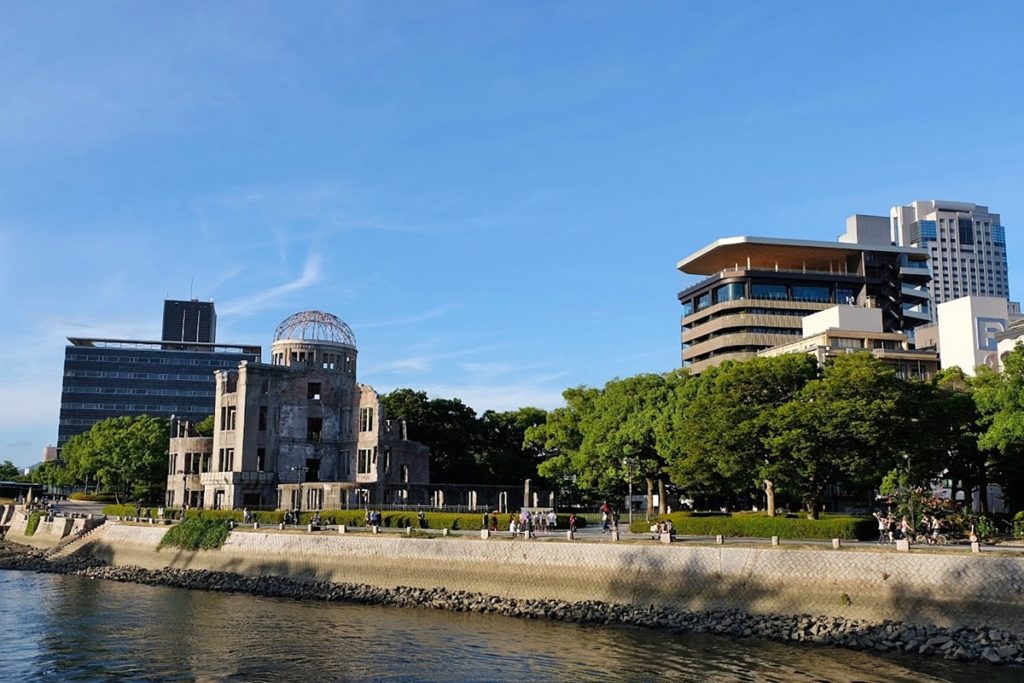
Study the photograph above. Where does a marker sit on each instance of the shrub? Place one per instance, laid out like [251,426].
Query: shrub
[33,523]
[762,526]
[128,510]
[196,534]
[94,497]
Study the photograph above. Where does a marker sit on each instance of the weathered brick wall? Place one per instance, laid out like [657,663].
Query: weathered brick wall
[920,587]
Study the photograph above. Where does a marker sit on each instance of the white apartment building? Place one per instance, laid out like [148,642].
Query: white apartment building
[966,242]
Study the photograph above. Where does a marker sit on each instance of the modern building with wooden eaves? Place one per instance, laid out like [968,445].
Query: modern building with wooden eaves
[756,291]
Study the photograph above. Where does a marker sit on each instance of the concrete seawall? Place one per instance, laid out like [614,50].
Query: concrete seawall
[48,534]
[918,588]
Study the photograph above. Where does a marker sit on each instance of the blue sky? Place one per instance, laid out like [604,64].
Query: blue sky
[493,195]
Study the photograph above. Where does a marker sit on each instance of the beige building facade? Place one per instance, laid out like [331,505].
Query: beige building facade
[849,329]
[297,433]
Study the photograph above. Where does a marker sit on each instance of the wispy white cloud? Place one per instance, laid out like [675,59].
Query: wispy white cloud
[425,360]
[311,274]
[223,279]
[410,319]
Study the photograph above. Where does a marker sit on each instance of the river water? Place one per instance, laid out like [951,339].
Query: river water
[69,628]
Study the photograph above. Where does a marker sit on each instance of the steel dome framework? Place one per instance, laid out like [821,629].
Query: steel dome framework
[315,326]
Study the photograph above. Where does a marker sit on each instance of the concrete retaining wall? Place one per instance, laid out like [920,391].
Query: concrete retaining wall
[921,587]
[48,534]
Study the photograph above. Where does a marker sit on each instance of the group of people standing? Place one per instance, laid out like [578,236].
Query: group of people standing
[527,523]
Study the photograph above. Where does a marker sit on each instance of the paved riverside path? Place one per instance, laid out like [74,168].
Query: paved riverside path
[594,533]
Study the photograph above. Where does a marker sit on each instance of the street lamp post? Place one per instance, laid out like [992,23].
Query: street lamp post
[628,464]
[302,480]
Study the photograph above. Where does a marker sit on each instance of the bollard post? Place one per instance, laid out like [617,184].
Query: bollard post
[445,531]
[615,534]
[408,531]
[903,545]
[485,534]
[666,538]
[342,529]
[975,547]
[375,529]
[719,540]
[775,540]
[255,525]
[836,544]
[281,526]
[569,535]
[309,528]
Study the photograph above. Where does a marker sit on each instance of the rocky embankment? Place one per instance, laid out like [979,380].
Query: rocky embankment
[963,644]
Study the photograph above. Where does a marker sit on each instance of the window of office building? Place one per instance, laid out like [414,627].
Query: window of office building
[703,301]
[766,290]
[810,293]
[366,419]
[730,292]
[846,295]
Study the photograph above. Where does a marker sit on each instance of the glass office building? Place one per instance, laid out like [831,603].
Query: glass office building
[114,377]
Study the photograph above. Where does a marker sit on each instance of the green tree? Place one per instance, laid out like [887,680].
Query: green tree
[718,424]
[558,441]
[127,455]
[620,435]
[8,471]
[503,456]
[52,474]
[1000,402]
[447,426]
[205,426]
[949,441]
[844,427]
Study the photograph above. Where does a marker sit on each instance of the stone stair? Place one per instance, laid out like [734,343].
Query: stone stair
[74,542]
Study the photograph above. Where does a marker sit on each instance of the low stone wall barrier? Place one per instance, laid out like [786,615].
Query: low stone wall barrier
[939,588]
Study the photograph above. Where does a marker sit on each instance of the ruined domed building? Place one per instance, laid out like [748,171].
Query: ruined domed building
[297,433]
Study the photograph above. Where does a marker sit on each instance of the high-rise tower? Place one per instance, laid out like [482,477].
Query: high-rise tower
[967,245]
[189,321]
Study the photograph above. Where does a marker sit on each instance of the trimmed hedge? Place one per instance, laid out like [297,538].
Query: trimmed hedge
[196,534]
[760,525]
[128,510]
[94,497]
[467,521]
[33,523]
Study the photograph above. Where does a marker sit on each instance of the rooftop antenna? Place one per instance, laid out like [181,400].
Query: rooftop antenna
[190,283]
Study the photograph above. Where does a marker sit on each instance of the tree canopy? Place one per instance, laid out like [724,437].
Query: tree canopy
[742,433]
[8,471]
[465,448]
[126,455]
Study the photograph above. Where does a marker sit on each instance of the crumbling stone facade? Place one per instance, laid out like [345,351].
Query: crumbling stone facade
[297,433]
